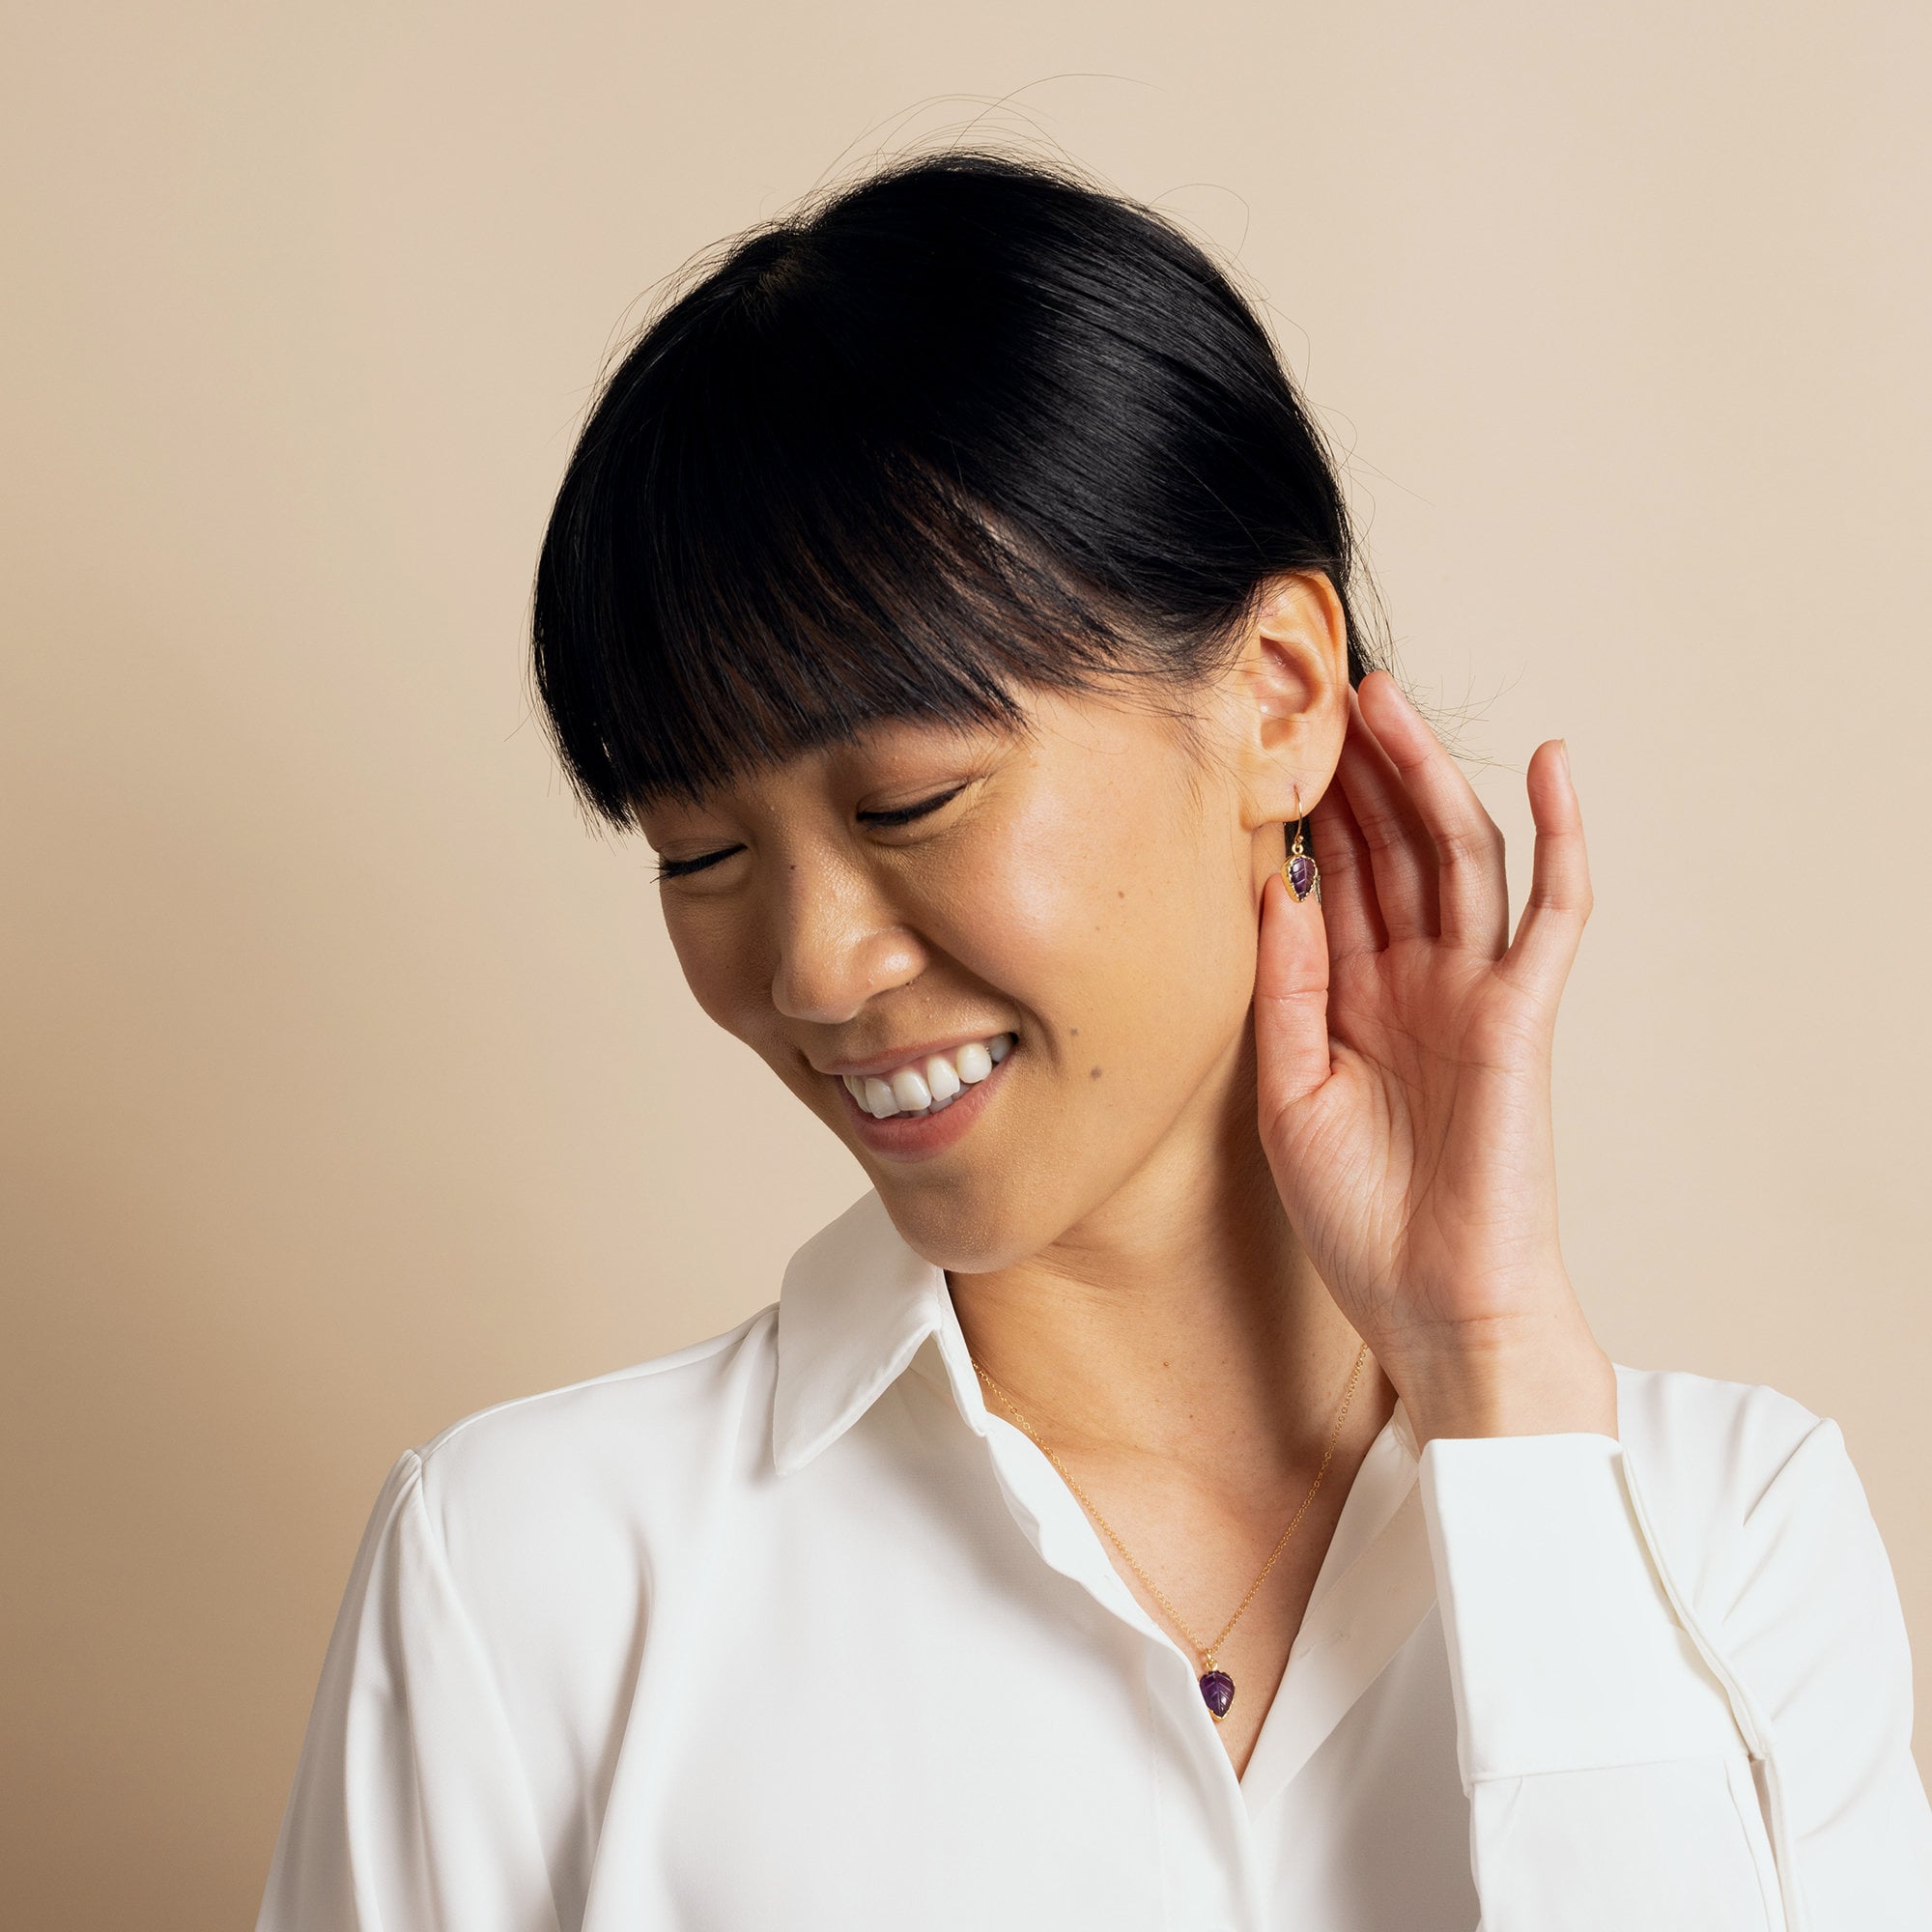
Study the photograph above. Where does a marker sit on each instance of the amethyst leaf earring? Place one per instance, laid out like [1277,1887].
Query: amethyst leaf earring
[1298,870]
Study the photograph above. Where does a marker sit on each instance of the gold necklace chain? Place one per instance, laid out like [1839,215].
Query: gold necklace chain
[1206,1651]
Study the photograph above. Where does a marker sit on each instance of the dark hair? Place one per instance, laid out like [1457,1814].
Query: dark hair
[969,425]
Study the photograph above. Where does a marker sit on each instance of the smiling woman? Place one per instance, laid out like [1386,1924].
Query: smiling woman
[1185,1490]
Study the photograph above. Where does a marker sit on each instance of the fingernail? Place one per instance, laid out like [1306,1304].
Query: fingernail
[1563,751]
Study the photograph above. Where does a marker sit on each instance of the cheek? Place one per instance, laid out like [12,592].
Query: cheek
[1122,913]
[717,961]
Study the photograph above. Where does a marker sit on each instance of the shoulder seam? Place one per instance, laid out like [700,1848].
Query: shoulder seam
[688,1357]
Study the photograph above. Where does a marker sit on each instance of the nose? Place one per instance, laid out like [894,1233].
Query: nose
[838,944]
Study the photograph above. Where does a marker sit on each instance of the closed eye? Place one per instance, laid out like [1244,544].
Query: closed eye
[899,814]
[904,815]
[682,869]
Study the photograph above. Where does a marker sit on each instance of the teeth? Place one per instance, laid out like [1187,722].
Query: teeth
[910,1091]
[929,1086]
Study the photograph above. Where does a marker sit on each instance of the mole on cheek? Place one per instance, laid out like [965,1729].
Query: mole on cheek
[1095,1074]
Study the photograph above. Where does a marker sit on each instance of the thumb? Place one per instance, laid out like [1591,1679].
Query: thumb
[1291,1001]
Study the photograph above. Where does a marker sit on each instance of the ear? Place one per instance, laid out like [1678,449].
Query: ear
[1287,690]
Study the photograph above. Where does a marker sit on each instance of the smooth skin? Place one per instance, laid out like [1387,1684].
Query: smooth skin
[1238,1135]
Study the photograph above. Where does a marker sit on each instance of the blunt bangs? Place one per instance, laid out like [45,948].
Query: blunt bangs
[968,427]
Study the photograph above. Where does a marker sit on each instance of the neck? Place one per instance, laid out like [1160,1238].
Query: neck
[1182,1320]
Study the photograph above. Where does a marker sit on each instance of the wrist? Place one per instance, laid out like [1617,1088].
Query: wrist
[1549,1384]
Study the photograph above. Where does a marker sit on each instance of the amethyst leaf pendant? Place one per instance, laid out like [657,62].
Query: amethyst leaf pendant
[1217,1692]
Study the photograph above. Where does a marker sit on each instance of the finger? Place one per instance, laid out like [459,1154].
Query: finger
[1560,898]
[1347,882]
[1401,854]
[1471,885]
[1291,1001]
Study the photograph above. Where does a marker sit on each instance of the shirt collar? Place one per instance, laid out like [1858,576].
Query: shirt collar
[856,1303]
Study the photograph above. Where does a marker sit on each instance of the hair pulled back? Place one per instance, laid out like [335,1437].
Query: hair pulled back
[968,426]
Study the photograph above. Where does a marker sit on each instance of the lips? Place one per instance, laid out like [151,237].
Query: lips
[929,1083]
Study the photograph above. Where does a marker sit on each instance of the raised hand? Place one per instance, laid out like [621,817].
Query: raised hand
[1403,1042]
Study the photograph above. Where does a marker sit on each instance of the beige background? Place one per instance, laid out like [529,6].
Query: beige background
[350,1086]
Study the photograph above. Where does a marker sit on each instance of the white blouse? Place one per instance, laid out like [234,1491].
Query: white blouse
[785,1633]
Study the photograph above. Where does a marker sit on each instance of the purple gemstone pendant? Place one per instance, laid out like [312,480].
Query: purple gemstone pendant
[1301,875]
[1217,1692]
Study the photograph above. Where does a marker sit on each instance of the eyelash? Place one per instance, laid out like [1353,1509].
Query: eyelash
[905,815]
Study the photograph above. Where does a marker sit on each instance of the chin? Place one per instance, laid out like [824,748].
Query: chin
[960,1227]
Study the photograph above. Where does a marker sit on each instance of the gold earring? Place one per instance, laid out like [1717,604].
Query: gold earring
[1298,870]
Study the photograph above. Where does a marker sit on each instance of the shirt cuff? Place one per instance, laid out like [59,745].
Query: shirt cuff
[1564,1651]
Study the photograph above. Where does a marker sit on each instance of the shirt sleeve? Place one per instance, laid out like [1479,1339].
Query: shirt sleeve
[410,1811]
[1639,1762]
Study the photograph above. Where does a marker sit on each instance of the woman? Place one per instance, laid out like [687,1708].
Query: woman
[1185,1491]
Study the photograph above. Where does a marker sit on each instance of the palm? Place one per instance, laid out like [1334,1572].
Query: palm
[1404,1044]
